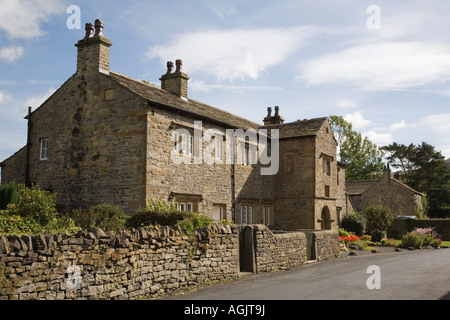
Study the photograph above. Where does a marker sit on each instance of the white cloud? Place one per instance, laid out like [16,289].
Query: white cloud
[4,97]
[357,120]
[23,19]
[382,66]
[233,54]
[398,125]
[201,86]
[438,124]
[380,139]
[346,104]
[11,54]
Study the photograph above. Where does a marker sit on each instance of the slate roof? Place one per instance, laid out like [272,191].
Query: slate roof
[358,187]
[168,100]
[299,128]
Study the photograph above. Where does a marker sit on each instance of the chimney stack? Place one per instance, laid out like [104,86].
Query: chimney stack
[93,50]
[275,119]
[175,82]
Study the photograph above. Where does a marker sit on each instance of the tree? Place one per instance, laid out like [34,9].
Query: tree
[425,170]
[379,218]
[363,159]
[400,156]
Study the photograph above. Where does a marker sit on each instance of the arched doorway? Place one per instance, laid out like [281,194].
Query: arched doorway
[325,218]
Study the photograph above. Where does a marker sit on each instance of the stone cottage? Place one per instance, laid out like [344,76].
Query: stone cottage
[103,137]
[389,191]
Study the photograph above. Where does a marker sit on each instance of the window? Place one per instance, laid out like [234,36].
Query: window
[186,202]
[191,145]
[176,141]
[266,215]
[327,191]
[219,151]
[247,155]
[326,167]
[43,150]
[246,214]
[183,143]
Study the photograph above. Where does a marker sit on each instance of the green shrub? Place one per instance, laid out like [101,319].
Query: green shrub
[8,194]
[354,222]
[193,222]
[14,224]
[34,203]
[157,212]
[412,239]
[104,216]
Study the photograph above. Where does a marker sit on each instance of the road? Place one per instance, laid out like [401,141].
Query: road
[406,275]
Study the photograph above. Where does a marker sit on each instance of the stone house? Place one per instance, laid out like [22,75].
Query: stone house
[389,191]
[103,137]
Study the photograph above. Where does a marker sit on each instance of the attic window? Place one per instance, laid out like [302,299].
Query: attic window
[109,94]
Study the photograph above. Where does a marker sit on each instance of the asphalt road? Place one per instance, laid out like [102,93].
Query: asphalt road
[406,275]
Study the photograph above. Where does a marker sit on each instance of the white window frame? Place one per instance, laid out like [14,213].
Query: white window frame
[184,142]
[43,149]
[190,207]
[176,140]
[182,206]
[219,148]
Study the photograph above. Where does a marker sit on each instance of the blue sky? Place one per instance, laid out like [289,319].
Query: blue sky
[385,69]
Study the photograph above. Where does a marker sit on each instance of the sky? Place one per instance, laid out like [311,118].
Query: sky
[382,65]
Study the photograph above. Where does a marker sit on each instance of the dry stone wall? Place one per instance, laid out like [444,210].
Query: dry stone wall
[135,263]
[278,250]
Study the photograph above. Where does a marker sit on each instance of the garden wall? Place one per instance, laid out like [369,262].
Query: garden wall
[401,226]
[280,250]
[134,263]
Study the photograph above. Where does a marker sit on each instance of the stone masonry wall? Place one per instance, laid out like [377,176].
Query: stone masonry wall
[327,244]
[279,250]
[135,263]
[114,265]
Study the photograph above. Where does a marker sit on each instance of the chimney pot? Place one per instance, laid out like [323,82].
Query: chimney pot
[98,27]
[89,30]
[169,67]
[179,64]
[269,111]
[277,109]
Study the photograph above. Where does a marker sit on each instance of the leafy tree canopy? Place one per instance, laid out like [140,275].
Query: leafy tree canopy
[363,159]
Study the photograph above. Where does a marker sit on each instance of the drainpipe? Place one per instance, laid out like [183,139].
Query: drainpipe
[27,164]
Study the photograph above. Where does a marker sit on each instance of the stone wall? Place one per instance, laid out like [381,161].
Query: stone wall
[278,250]
[114,265]
[327,244]
[135,263]
[399,227]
